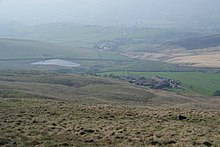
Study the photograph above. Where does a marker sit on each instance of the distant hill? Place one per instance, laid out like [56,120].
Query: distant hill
[23,49]
[69,33]
[10,28]
[17,49]
[63,33]
[199,42]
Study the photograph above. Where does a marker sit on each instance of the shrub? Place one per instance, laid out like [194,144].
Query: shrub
[217,93]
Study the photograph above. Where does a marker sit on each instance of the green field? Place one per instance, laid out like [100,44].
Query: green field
[199,82]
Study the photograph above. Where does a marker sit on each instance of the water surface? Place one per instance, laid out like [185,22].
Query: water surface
[57,62]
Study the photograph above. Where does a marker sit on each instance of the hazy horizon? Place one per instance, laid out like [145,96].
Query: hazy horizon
[106,12]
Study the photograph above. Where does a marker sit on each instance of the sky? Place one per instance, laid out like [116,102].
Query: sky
[112,12]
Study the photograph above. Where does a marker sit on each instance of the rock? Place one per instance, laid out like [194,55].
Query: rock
[90,131]
[181,117]
[170,142]
[89,140]
[4,141]
[155,143]
[65,144]
[206,143]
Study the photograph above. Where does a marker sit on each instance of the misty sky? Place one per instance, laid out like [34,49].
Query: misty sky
[110,11]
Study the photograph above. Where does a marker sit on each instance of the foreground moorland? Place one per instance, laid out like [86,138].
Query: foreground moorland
[37,122]
[51,109]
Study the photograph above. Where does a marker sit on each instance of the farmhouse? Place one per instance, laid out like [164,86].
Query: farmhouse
[153,82]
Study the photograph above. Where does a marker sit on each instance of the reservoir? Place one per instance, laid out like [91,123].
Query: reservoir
[57,62]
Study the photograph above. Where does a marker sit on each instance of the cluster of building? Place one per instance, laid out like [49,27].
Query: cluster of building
[153,82]
[112,45]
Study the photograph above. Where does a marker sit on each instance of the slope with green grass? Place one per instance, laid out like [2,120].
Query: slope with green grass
[70,34]
[29,49]
[199,82]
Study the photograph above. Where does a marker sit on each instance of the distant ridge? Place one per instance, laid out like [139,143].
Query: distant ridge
[11,48]
[199,42]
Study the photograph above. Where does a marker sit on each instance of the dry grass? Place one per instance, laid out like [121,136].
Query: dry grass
[93,90]
[208,60]
[208,57]
[42,110]
[25,122]
[73,88]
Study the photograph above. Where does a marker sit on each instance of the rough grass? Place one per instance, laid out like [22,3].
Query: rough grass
[50,109]
[35,122]
[86,89]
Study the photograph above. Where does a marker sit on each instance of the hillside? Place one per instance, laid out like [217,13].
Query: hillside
[28,122]
[199,42]
[70,34]
[18,49]
[195,52]
[50,109]
[77,35]
[92,89]
[28,49]
[71,88]
[10,28]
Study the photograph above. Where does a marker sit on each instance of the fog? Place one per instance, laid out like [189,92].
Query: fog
[108,12]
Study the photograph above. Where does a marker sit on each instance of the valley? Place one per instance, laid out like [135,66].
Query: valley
[59,86]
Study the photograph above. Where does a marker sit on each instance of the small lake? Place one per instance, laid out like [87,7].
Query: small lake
[57,62]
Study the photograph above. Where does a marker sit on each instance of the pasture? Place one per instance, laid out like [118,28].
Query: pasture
[198,82]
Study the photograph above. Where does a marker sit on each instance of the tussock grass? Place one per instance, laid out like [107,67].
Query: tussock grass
[50,109]
[28,122]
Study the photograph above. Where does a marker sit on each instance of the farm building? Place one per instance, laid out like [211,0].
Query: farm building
[153,82]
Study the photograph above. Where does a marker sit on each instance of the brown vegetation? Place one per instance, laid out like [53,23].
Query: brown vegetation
[208,57]
[41,110]
[26,122]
